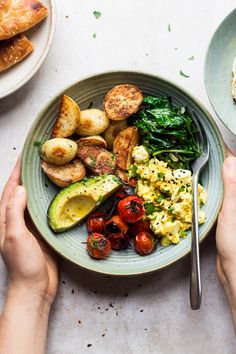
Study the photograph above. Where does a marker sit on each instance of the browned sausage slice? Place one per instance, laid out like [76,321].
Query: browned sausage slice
[98,160]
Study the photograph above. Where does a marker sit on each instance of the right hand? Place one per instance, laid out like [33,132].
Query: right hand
[226,235]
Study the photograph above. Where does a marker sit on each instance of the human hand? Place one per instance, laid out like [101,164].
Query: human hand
[31,265]
[226,235]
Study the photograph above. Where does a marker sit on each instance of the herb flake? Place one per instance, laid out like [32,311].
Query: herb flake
[37,143]
[169,27]
[160,175]
[191,58]
[183,74]
[150,208]
[97,14]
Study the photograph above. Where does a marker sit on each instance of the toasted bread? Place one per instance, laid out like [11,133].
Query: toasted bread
[17,16]
[122,101]
[14,50]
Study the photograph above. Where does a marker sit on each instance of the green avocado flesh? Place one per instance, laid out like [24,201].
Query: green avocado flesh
[74,203]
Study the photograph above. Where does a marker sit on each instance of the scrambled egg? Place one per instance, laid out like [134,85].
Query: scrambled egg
[167,197]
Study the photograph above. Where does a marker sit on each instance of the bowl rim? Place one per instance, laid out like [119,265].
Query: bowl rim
[160,78]
[206,61]
[43,56]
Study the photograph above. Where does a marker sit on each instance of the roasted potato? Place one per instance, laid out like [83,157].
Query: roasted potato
[92,122]
[98,160]
[93,140]
[58,151]
[122,101]
[68,118]
[123,147]
[111,132]
[64,175]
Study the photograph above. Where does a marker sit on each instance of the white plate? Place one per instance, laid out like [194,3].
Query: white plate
[42,37]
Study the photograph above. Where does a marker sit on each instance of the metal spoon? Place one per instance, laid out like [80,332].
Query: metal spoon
[198,164]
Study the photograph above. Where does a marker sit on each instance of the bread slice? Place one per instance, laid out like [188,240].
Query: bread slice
[14,50]
[17,16]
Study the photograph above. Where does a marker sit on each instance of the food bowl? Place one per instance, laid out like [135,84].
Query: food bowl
[71,244]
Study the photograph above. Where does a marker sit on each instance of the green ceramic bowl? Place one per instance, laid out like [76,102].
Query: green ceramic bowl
[218,71]
[70,244]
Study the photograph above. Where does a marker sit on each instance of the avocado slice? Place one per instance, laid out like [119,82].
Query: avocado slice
[74,203]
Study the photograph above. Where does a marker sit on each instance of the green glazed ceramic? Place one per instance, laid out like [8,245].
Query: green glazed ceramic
[70,244]
[218,71]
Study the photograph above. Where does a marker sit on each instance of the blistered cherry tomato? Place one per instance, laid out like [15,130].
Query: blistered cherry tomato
[120,243]
[96,222]
[131,209]
[141,225]
[98,246]
[115,227]
[144,243]
[124,191]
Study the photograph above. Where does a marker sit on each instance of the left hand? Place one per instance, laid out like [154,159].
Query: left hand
[31,265]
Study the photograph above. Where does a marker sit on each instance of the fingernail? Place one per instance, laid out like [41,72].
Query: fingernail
[19,190]
[230,166]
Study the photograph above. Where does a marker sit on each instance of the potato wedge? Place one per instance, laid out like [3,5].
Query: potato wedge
[99,161]
[96,140]
[92,122]
[123,147]
[64,175]
[68,118]
[122,101]
[111,132]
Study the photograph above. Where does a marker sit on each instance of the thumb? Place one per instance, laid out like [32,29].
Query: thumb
[229,179]
[15,222]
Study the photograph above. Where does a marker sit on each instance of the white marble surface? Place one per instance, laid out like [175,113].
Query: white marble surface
[145,314]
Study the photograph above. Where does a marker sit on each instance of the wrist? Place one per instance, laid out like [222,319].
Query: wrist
[27,297]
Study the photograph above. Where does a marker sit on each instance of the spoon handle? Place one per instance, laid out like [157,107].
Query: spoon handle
[195,278]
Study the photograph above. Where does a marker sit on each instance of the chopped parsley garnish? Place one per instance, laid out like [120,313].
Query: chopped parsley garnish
[160,175]
[133,171]
[183,74]
[183,233]
[161,197]
[37,143]
[99,199]
[93,161]
[181,189]
[191,58]
[94,35]
[150,208]
[169,27]
[171,209]
[97,14]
